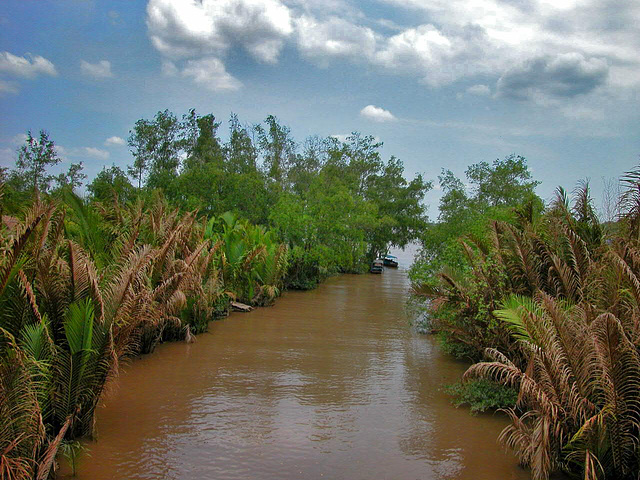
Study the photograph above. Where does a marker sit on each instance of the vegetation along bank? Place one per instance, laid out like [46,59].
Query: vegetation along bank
[545,299]
[154,253]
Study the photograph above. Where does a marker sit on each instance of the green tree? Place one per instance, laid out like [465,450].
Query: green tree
[109,182]
[73,178]
[496,191]
[34,157]
[278,148]
[505,182]
[241,153]
[140,147]
[156,146]
[201,140]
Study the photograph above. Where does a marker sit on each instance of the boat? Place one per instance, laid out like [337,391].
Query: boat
[377,266]
[390,261]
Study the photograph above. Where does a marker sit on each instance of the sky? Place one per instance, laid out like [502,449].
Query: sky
[442,83]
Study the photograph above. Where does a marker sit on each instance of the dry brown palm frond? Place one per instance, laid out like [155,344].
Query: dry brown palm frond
[254,254]
[132,276]
[29,295]
[579,256]
[34,217]
[79,275]
[627,272]
[563,280]
[22,431]
[188,336]
[514,377]
[620,385]
[517,435]
[522,266]
[165,253]
[497,356]
[45,464]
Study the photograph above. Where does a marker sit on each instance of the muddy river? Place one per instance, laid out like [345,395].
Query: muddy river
[327,384]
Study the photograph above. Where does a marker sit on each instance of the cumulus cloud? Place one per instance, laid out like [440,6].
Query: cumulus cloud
[185,28]
[377,114]
[211,74]
[532,49]
[114,141]
[479,90]
[334,37]
[95,153]
[18,139]
[563,75]
[75,152]
[99,70]
[29,66]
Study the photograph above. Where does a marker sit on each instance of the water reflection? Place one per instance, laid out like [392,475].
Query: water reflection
[326,384]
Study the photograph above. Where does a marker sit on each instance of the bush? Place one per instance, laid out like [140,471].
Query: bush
[482,395]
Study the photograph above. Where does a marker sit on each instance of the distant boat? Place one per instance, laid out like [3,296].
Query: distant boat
[390,261]
[377,266]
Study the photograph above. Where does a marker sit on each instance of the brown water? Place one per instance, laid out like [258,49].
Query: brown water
[327,384]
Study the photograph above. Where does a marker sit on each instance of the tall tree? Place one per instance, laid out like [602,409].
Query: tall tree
[140,147]
[109,182]
[73,178]
[278,148]
[156,145]
[34,157]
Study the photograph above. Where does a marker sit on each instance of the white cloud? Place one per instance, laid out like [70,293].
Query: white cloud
[111,141]
[480,90]
[8,87]
[334,37]
[211,74]
[447,41]
[29,66]
[7,157]
[341,137]
[99,70]
[169,68]
[94,153]
[18,139]
[188,28]
[75,152]
[377,114]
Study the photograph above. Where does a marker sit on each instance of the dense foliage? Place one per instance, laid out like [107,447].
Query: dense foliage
[156,252]
[551,301]
[83,286]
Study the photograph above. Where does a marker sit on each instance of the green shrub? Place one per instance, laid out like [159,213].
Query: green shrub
[482,395]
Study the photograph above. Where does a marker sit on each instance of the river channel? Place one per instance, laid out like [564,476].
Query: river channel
[327,384]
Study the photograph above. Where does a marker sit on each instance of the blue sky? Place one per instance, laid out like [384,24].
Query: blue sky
[443,83]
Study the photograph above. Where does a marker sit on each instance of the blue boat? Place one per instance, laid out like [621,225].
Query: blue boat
[390,261]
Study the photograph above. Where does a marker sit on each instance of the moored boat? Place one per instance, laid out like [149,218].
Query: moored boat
[390,261]
[377,266]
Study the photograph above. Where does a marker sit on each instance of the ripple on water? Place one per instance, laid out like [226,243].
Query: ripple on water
[330,383]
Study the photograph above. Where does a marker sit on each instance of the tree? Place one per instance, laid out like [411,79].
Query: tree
[278,148]
[241,153]
[505,182]
[73,178]
[109,182]
[156,145]
[139,146]
[497,190]
[34,157]
[201,141]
